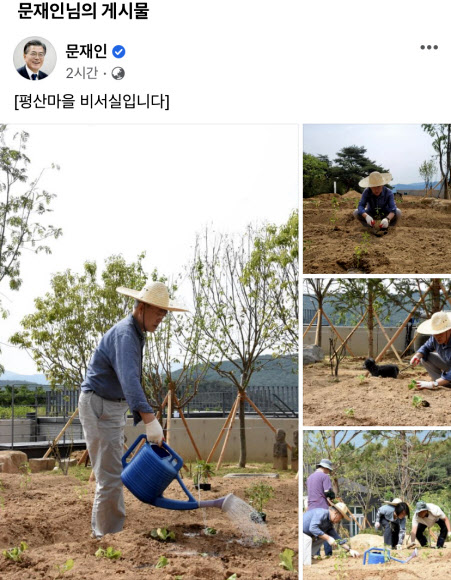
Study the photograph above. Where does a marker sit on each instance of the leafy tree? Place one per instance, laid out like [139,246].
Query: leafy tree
[441,142]
[351,165]
[316,175]
[427,170]
[239,308]
[21,213]
[72,317]
[279,247]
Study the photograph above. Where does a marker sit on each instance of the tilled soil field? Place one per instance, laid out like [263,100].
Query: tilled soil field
[333,240]
[428,564]
[368,401]
[51,513]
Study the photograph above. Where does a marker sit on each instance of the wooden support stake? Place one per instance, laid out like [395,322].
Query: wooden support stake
[169,415]
[336,332]
[350,334]
[387,337]
[252,404]
[224,427]
[229,430]
[61,433]
[310,325]
[163,405]
[445,293]
[182,417]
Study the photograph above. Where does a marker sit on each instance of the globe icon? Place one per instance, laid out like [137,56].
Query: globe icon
[118,73]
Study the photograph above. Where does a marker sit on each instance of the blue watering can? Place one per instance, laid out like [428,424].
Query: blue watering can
[382,555]
[152,470]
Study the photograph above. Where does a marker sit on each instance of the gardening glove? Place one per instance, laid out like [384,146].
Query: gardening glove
[415,360]
[331,541]
[154,432]
[425,385]
[353,553]
[377,525]
[369,220]
[384,224]
[399,547]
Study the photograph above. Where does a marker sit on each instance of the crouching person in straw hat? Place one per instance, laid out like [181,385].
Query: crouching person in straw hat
[392,518]
[377,201]
[318,526]
[435,354]
[426,515]
[111,387]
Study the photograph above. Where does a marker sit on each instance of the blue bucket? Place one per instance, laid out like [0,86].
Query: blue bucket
[376,556]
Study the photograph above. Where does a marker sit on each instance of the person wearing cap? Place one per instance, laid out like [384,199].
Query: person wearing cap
[318,526]
[392,518]
[111,387]
[319,490]
[435,354]
[377,201]
[426,515]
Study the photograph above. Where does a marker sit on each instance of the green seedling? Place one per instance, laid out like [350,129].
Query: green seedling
[362,379]
[340,559]
[349,412]
[417,401]
[162,562]
[25,478]
[306,245]
[81,492]
[440,553]
[259,494]
[109,553]
[162,535]
[286,560]
[232,577]
[63,568]
[15,554]
[210,531]
[412,385]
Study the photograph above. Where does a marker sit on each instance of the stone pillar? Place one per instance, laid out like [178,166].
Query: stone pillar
[280,454]
[294,453]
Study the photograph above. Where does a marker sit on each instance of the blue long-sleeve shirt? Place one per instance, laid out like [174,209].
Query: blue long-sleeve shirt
[443,350]
[370,203]
[317,522]
[114,371]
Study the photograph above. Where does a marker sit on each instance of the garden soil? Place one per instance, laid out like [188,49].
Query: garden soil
[428,564]
[354,399]
[51,513]
[333,240]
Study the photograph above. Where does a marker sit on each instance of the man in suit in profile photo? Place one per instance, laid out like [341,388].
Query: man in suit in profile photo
[34,54]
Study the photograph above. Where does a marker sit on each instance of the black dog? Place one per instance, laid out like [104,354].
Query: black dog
[385,371]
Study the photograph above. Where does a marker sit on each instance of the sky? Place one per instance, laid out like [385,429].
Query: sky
[399,148]
[123,189]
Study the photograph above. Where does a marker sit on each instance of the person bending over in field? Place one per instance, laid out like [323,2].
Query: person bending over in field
[435,354]
[426,515]
[377,201]
[392,518]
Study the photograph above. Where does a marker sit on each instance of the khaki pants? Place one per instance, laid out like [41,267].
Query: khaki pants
[103,424]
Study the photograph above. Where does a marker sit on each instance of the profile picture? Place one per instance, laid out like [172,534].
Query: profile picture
[34,58]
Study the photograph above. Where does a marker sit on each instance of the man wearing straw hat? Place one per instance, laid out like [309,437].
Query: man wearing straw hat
[111,387]
[426,515]
[319,490]
[377,201]
[318,526]
[392,518]
[435,354]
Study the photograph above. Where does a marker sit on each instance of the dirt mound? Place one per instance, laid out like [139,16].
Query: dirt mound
[370,401]
[52,513]
[352,194]
[362,542]
[335,242]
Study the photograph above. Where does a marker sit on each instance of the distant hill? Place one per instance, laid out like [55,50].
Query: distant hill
[419,185]
[10,377]
[276,372]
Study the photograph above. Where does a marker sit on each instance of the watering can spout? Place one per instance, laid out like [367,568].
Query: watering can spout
[221,502]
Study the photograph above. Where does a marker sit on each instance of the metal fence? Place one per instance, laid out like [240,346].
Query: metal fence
[43,415]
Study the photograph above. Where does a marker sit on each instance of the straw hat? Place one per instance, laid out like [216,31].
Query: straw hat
[341,507]
[325,463]
[395,501]
[440,322]
[375,179]
[155,294]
